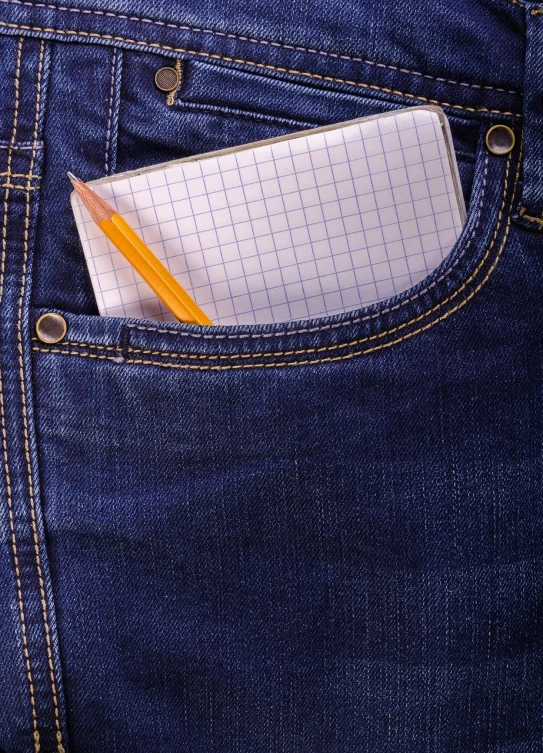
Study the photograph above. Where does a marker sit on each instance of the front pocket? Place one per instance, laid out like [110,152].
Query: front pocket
[451,286]
[128,124]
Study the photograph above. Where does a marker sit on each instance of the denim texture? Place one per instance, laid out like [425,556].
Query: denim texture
[313,537]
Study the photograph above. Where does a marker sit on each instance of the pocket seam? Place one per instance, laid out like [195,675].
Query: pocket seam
[357,320]
[262,66]
[270,43]
[324,349]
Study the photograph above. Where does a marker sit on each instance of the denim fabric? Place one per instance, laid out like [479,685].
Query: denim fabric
[531,210]
[313,537]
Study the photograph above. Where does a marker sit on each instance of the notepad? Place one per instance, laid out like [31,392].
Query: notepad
[313,224]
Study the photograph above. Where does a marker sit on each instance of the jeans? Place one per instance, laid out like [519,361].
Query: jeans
[320,536]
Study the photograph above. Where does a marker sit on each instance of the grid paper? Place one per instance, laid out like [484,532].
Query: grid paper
[305,227]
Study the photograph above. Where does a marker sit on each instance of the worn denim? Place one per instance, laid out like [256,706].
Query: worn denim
[312,537]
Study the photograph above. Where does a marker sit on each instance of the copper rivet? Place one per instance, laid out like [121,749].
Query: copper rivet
[500,140]
[51,328]
[167,79]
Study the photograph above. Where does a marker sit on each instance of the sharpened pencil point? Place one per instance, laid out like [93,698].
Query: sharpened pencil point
[98,208]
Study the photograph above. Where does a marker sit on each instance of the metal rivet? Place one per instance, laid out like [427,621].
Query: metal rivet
[51,328]
[500,140]
[167,79]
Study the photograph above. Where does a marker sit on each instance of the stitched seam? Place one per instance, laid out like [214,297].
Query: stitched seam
[296,363]
[16,187]
[14,549]
[350,322]
[400,326]
[326,327]
[170,98]
[110,110]
[308,361]
[325,349]
[293,363]
[537,12]
[307,329]
[253,40]
[116,103]
[7,185]
[11,515]
[530,218]
[20,175]
[37,555]
[233,113]
[262,66]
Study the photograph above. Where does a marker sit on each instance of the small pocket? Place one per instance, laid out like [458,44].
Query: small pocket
[148,130]
[217,106]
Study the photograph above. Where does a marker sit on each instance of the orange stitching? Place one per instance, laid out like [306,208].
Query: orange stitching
[337,325]
[252,40]
[7,186]
[16,187]
[536,12]
[263,66]
[348,355]
[19,175]
[531,218]
[75,353]
[9,496]
[326,348]
[308,361]
[35,734]
[60,747]
[170,99]
[298,363]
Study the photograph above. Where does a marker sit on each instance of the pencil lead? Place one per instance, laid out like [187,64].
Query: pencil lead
[72,177]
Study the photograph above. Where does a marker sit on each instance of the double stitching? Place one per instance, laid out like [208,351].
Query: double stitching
[17,187]
[326,349]
[110,110]
[349,322]
[170,97]
[13,536]
[261,66]
[308,330]
[253,40]
[28,176]
[43,601]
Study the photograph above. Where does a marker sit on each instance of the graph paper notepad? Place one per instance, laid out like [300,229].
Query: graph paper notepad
[312,224]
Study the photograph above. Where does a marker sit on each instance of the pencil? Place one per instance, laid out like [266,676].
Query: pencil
[131,246]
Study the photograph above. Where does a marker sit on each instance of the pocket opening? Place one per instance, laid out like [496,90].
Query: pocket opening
[457,279]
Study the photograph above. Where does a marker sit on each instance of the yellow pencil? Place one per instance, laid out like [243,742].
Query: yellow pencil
[155,274]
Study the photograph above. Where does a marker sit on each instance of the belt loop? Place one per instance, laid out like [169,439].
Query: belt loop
[530,212]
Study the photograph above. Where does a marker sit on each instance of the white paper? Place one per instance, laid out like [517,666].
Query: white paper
[301,228]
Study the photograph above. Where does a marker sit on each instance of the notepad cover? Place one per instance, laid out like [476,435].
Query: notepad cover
[312,224]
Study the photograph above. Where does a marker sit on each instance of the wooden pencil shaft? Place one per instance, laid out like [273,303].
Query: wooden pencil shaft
[153,271]
[97,207]
[144,261]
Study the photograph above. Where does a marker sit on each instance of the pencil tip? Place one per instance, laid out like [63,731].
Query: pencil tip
[72,177]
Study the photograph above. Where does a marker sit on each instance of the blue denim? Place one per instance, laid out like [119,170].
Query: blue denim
[312,537]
